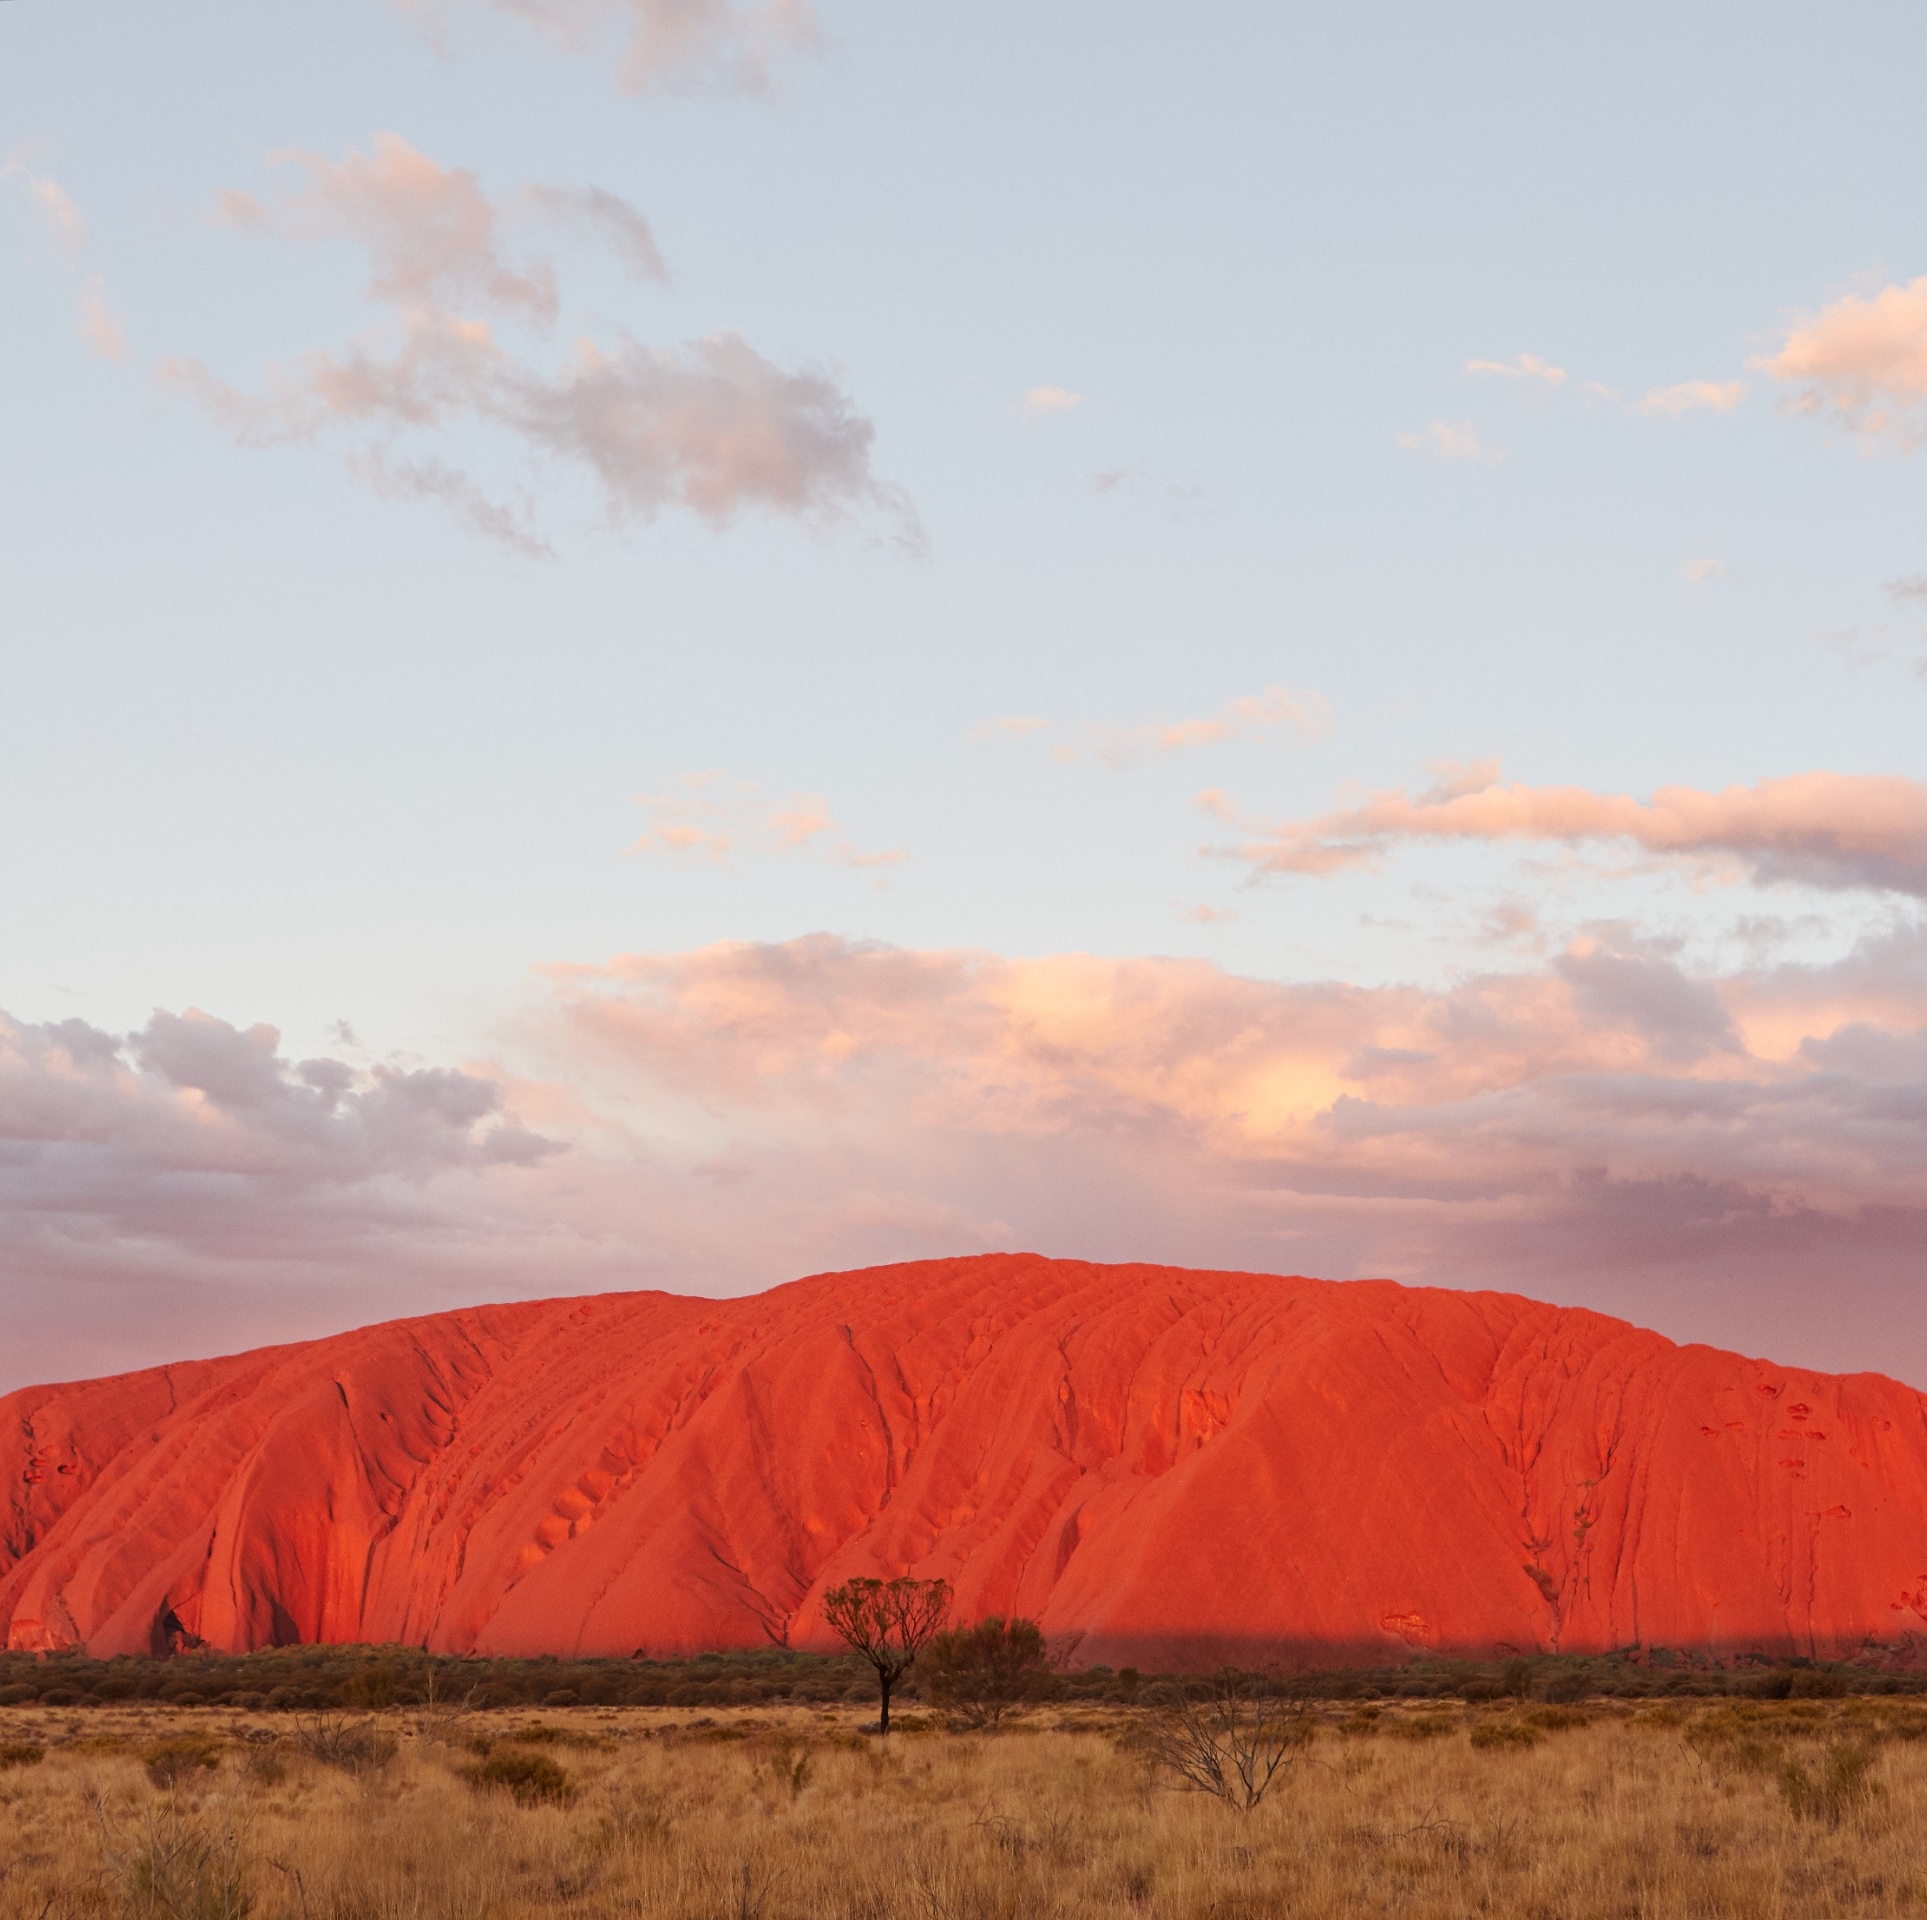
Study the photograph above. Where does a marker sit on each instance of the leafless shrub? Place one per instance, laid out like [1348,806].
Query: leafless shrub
[1228,1739]
[357,1747]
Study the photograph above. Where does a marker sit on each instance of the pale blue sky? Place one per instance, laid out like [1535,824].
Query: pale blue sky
[294,753]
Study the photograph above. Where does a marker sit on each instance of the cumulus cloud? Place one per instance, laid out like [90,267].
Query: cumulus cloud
[667,46]
[1817,829]
[102,330]
[711,427]
[1692,396]
[1604,1121]
[1450,440]
[189,1176]
[1730,1155]
[710,818]
[1528,367]
[1861,363]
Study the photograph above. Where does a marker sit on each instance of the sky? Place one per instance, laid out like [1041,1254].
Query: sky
[674,643]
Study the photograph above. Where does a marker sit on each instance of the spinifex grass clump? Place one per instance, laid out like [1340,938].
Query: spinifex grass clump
[531,1779]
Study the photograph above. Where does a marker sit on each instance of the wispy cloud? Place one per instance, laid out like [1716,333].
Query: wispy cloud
[710,427]
[711,818]
[1861,363]
[1819,829]
[103,331]
[1012,726]
[665,46]
[1693,396]
[1303,715]
[1052,400]
[1700,571]
[1450,440]
[1528,367]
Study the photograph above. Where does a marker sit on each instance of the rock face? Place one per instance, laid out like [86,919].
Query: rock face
[1164,1468]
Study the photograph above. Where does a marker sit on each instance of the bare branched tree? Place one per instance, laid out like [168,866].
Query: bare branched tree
[888,1622]
[1229,1738]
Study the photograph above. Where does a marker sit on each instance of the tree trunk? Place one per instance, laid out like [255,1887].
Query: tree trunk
[883,1683]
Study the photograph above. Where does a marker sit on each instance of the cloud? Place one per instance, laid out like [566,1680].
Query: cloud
[1907,590]
[711,427]
[1278,709]
[102,331]
[1818,829]
[713,819]
[1732,1155]
[1702,570]
[1450,440]
[1052,400]
[1528,366]
[1861,363]
[1014,726]
[667,46]
[1606,1120]
[1692,396]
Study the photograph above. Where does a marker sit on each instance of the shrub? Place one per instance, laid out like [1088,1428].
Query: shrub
[1505,1733]
[18,1753]
[17,1695]
[1816,1683]
[171,1761]
[354,1746]
[1841,1782]
[1421,1726]
[531,1778]
[982,1674]
[1232,1741]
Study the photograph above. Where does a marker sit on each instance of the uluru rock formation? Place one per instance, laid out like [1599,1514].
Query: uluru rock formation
[1163,1467]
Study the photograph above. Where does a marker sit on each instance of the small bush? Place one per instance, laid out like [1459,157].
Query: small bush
[532,1779]
[171,1761]
[1840,1783]
[982,1674]
[354,1746]
[1421,1726]
[17,1695]
[1816,1683]
[18,1753]
[1505,1733]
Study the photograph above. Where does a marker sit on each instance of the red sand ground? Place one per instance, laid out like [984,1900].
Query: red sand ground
[1163,1467]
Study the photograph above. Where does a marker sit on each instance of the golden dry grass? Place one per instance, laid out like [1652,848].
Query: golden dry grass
[1657,1812]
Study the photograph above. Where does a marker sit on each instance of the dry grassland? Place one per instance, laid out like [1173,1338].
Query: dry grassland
[1797,1809]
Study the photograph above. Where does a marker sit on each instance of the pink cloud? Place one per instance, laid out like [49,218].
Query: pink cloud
[103,331]
[710,427]
[1528,366]
[1305,714]
[1862,362]
[1819,829]
[714,819]
[1450,440]
[668,46]
[1728,1155]
[1694,396]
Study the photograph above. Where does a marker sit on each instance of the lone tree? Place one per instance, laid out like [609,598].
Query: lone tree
[984,1672]
[888,1622]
